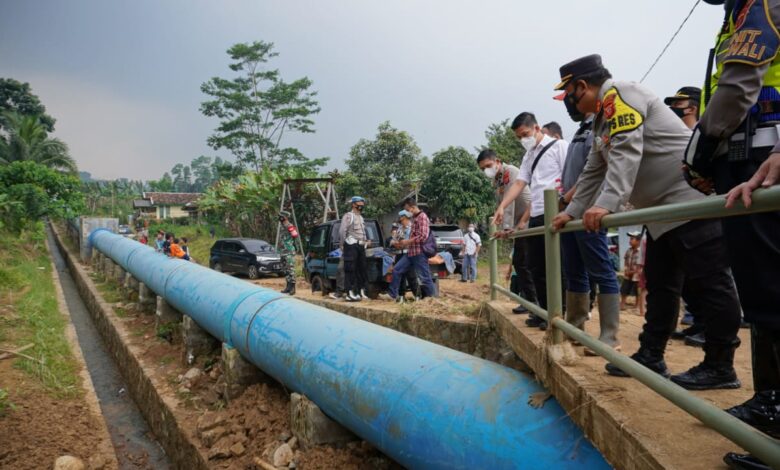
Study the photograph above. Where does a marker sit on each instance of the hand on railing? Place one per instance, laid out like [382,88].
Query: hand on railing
[591,219]
[561,220]
[766,175]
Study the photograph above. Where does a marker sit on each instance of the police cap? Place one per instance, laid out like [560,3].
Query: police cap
[578,67]
[684,93]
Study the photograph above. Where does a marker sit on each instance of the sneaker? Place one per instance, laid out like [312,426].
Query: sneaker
[744,461]
[352,297]
[762,412]
[654,362]
[363,294]
[519,310]
[697,340]
[385,296]
[707,377]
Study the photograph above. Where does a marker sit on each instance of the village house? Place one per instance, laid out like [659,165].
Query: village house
[154,205]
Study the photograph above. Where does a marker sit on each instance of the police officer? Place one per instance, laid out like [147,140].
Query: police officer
[289,235]
[736,134]
[637,141]
[586,259]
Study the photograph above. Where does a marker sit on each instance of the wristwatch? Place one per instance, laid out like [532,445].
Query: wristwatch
[562,202]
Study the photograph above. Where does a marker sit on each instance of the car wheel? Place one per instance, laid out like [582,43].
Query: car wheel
[217,267]
[252,272]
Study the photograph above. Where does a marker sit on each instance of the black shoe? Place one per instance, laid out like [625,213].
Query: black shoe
[690,331]
[287,288]
[744,462]
[463,280]
[697,340]
[519,309]
[707,377]
[534,321]
[543,325]
[292,289]
[762,412]
[653,361]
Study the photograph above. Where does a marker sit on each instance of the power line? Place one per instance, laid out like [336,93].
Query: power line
[670,41]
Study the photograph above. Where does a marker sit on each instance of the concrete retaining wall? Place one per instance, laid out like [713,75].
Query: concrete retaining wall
[180,448]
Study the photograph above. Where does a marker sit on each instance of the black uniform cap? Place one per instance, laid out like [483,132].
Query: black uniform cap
[685,93]
[578,67]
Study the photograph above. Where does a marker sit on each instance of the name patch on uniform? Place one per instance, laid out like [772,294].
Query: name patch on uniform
[755,40]
[619,115]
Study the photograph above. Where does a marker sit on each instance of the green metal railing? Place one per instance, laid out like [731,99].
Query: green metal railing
[747,437]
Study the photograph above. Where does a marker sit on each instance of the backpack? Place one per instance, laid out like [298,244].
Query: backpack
[429,245]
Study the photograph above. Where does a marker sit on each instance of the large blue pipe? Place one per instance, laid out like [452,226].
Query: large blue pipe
[426,406]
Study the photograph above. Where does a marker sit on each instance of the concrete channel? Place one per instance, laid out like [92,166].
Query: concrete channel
[131,436]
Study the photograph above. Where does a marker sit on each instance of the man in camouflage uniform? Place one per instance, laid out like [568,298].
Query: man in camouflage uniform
[289,234]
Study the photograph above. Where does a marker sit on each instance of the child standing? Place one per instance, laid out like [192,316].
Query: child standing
[632,269]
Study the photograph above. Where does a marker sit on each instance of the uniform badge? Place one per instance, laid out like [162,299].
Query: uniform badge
[619,115]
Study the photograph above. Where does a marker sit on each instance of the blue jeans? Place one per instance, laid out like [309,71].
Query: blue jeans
[585,258]
[420,264]
[468,272]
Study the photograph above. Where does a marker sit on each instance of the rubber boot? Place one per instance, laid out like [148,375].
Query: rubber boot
[744,462]
[652,358]
[291,288]
[577,308]
[287,288]
[762,412]
[716,371]
[609,318]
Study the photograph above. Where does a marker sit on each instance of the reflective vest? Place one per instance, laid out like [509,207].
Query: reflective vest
[749,37]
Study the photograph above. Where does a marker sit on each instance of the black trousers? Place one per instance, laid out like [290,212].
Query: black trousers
[355,267]
[524,279]
[694,255]
[537,265]
[753,243]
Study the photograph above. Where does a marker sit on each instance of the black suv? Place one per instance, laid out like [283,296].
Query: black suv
[246,256]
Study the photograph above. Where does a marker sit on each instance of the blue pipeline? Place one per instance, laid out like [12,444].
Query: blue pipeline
[424,405]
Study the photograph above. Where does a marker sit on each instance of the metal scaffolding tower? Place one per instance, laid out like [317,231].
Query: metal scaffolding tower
[329,199]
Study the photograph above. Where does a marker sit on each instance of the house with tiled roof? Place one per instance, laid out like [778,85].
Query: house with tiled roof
[157,205]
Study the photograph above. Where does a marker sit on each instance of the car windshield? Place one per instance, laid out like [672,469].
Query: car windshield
[447,231]
[258,246]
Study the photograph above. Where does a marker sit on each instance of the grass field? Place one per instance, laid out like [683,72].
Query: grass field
[29,312]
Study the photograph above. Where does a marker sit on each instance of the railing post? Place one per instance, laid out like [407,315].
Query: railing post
[493,258]
[552,255]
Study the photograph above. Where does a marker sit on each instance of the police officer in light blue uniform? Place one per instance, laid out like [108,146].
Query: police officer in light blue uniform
[735,135]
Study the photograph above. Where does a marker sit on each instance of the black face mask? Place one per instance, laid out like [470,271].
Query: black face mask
[680,112]
[570,100]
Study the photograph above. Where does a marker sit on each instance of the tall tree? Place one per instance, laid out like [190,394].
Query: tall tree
[27,140]
[501,138]
[257,108]
[456,188]
[17,97]
[383,169]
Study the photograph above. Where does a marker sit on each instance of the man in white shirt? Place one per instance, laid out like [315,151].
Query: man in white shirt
[541,169]
[471,245]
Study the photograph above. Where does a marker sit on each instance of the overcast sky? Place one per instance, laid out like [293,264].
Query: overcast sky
[122,78]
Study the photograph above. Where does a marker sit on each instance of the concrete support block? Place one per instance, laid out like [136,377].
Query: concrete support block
[131,287]
[119,275]
[197,341]
[166,313]
[312,427]
[108,267]
[96,260]
[239,373]
[147,300]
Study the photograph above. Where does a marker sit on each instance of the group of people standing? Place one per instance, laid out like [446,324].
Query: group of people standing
[630,148]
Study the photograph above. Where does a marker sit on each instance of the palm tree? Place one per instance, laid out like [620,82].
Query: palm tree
[27,140]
